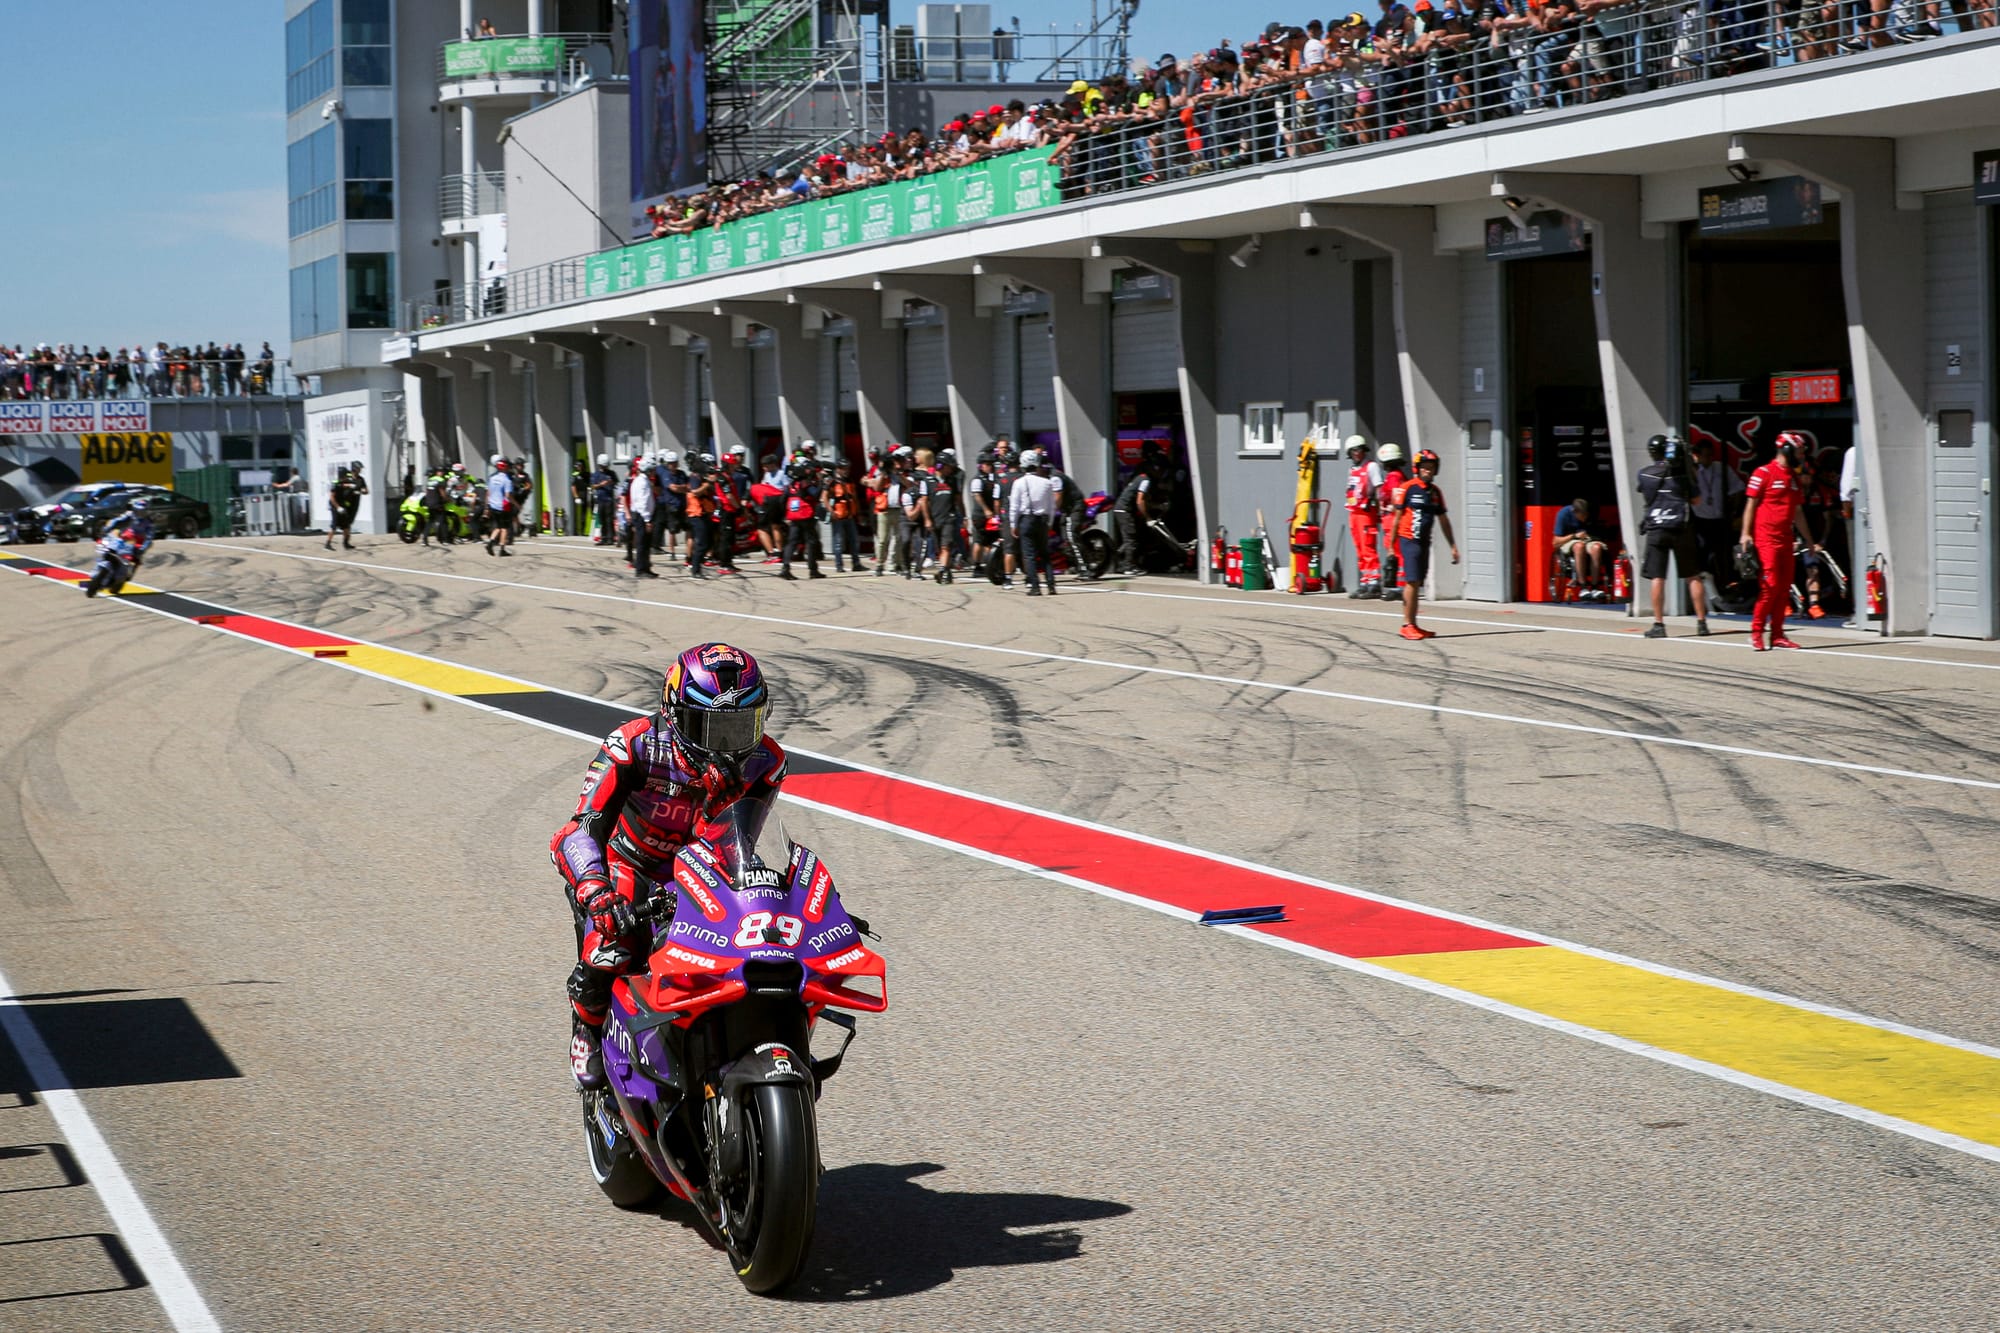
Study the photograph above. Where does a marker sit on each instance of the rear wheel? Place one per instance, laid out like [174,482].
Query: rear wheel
[769,1213]
[617,1167]
[185,527]
[1096,546]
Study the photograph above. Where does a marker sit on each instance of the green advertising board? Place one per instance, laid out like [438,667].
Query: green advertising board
[962,197]
[499,57]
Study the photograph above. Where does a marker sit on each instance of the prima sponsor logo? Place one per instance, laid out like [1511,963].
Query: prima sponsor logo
[826,939]
[701,934]
[763,891]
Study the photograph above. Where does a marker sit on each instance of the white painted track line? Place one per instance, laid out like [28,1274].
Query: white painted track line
[184,1307]
[1141,668]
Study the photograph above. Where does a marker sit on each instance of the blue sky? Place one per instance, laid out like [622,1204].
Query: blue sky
[145,183]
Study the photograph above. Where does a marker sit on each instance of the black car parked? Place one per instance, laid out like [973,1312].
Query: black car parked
[172,513]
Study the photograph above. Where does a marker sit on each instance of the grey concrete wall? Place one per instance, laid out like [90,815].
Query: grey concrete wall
[583,140]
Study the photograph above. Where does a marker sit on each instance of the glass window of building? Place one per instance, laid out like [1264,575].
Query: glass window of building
[370,288]
[371,169]
[310,182]
[309,55]
[364,43]
[316,298]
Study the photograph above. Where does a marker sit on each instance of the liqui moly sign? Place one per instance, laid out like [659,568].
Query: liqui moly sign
[85,418]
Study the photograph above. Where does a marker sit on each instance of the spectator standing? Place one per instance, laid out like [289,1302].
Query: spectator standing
[909,500]
[946,517]
[1669,529]
[604,500]
[700,511]
[1716,490]
[639,503]
[875,486]
[1031,506]
[499,507]
[579,495]
[844,511]
[801,509]
[1419,508]
[1390,455]
[672,482]
[1770,518]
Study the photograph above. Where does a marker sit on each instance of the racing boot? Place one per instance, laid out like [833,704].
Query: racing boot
[586,1058]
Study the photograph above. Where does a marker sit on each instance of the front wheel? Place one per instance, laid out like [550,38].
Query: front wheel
[186,528]
[411,528]
[770,1212]
[618,1170]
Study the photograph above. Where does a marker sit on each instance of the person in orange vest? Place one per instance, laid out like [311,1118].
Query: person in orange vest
[1364,518]
[844,508]
[1419,508]
[1388,486]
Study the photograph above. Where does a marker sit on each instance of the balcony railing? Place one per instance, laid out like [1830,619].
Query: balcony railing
[567,57]
[1656,48]
[463,197]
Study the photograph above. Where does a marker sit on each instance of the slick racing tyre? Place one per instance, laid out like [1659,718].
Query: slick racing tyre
[770,1212]
[618,1170]
[1097,552]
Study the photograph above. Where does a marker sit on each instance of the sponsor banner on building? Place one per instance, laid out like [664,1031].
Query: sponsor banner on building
[143,457]
[502,57]
[962,197]
[1785,201]
[1986,177]
[125,414]
[1545,233]
[1812,386]
[335,437]
[72,418]
[22,419]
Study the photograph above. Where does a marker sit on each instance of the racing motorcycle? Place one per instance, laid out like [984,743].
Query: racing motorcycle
[117,557]
[710,1083]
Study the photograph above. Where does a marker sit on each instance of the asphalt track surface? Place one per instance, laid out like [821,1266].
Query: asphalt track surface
[292,934]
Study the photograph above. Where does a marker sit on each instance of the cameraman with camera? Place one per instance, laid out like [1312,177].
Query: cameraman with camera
[1667,488]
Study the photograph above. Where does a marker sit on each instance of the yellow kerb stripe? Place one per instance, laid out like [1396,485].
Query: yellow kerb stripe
[439,676]
[1939,1086]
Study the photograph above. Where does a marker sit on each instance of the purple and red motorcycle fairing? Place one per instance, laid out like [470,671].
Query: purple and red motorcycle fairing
[710,1081]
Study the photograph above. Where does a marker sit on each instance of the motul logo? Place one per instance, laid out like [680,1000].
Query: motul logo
[851,956]
[698,962]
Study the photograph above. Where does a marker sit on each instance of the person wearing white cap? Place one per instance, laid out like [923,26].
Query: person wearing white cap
[639,518]
[1364,518]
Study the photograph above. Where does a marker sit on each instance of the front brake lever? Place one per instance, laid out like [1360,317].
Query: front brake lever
[861,924]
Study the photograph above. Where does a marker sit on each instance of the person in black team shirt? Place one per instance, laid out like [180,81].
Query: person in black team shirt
[1419,507]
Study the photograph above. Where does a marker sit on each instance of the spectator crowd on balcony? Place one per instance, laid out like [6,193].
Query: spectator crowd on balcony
[66,371]
[1337,83]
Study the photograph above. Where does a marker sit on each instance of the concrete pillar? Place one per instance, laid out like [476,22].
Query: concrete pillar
[968,346]
[1083,365]
[433,388]
[469,416]
[1630,289]
[798,366]
[729,378]
[588,348]
[547,387]
[1193,273]
[666,379]
[878,393]
[1424,302]
[1882,274]
[508,434]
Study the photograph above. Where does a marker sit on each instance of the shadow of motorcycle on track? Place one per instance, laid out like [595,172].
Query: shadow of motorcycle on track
[882,1235]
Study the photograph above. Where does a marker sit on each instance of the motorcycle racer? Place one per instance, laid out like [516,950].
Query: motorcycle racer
[653,780]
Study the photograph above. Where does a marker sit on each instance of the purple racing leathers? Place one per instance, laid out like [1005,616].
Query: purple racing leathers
[642,799]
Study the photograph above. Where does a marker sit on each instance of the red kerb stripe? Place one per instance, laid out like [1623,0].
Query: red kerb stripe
[1337,922]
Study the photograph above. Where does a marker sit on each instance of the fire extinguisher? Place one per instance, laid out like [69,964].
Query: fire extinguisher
[1232,568]
[1621,579]
[1878,589]
[1218,558]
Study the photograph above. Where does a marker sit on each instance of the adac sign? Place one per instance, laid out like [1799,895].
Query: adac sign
[146,457]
